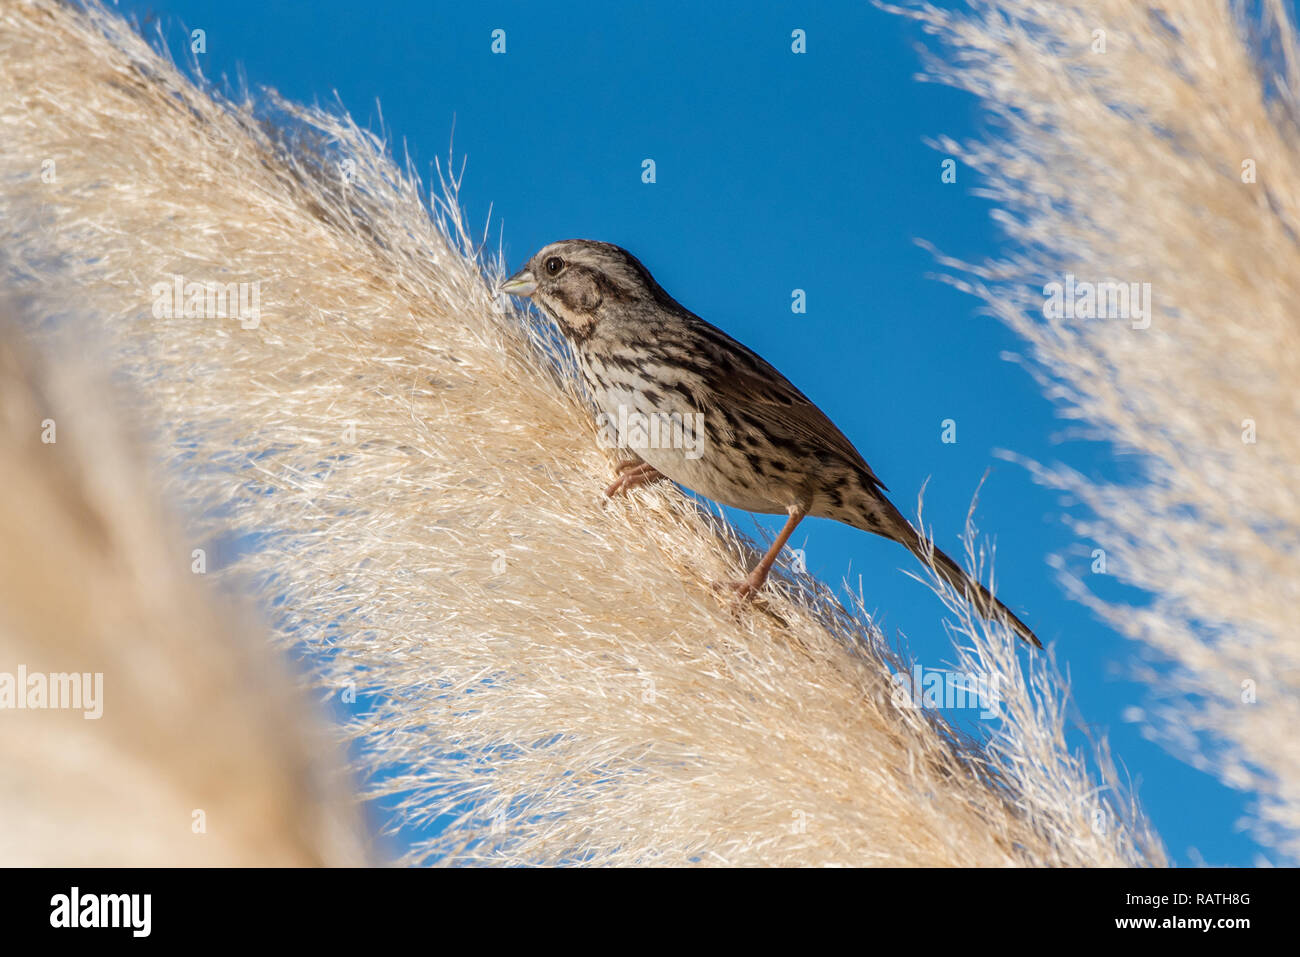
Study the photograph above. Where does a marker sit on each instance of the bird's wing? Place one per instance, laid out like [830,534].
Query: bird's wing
[777,400]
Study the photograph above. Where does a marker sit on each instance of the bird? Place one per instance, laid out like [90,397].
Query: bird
[691,404]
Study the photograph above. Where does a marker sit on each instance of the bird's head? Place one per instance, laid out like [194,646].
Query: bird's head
[578,282]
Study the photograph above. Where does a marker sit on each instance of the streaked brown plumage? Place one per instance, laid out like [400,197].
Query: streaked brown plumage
[764,446]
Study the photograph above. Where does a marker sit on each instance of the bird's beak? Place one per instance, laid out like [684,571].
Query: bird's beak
[521,283]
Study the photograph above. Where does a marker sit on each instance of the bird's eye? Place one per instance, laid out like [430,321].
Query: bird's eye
[554,265]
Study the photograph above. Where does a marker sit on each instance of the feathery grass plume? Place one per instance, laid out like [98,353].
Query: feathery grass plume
[1157,144]
[545,675]
[143,724]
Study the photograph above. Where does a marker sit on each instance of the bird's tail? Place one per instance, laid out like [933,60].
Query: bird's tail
[988,606]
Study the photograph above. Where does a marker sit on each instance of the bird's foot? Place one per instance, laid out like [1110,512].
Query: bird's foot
[736,596]
[742,590]
[630,475]
[740,593]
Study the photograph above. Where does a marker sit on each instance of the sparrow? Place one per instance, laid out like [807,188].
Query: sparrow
[700,409]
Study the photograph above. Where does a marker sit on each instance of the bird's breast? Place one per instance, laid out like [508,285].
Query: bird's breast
[655,410]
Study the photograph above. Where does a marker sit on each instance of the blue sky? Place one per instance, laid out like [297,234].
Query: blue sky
[774,172]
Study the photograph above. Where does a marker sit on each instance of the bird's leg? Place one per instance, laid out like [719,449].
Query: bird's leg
[758,576]
[631,474]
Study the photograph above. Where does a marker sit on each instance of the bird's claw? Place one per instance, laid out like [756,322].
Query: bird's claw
[630,475]
[739,592]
